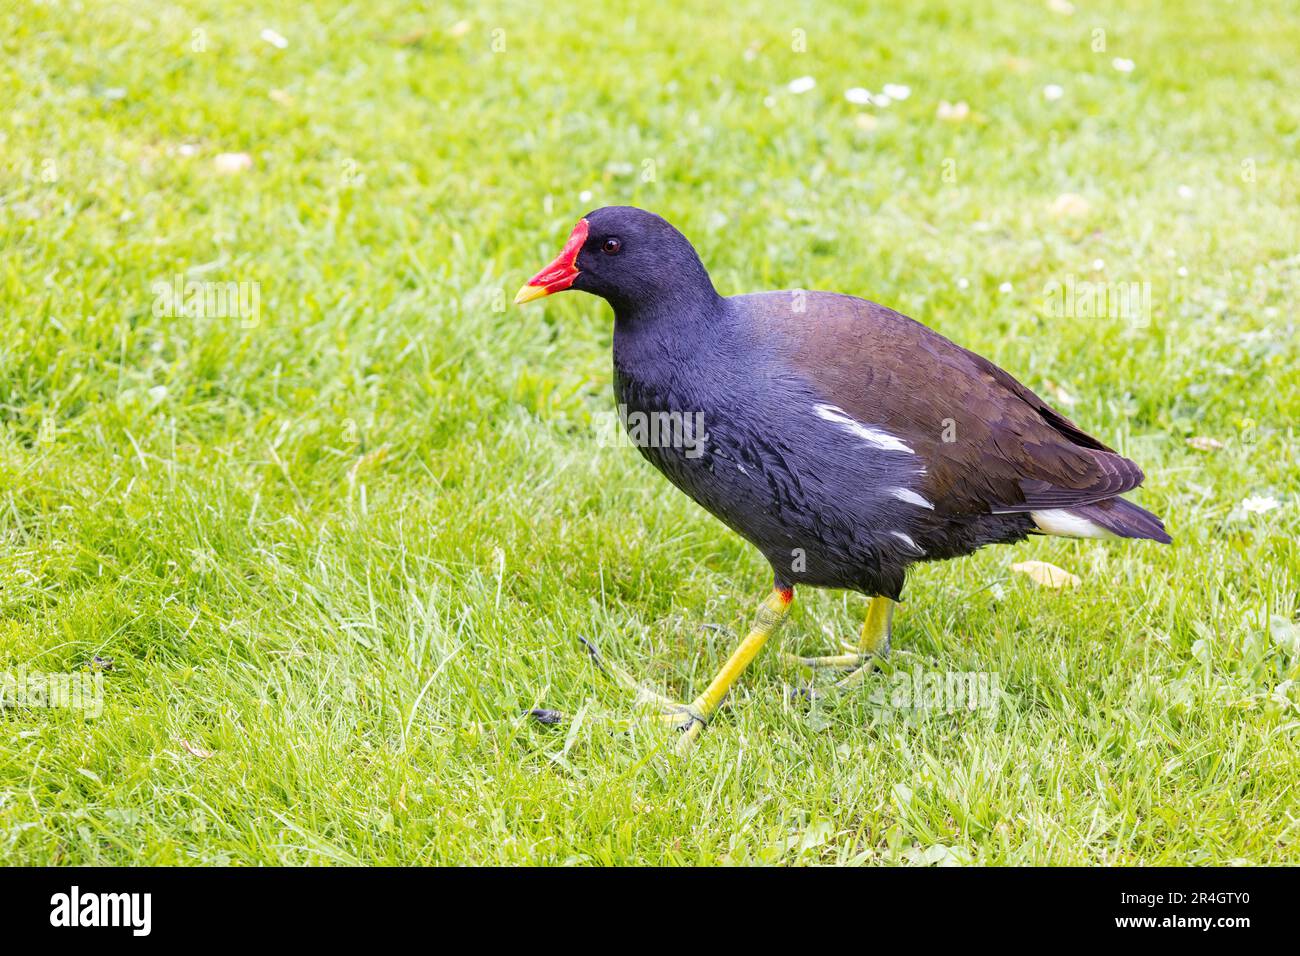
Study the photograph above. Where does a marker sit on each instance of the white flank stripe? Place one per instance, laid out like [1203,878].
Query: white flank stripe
[911,497]
[872,436]
[907,540]
[1067,524]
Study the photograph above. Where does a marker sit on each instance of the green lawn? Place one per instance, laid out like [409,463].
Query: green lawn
[336,545]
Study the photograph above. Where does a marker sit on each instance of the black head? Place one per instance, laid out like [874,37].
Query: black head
[631,258]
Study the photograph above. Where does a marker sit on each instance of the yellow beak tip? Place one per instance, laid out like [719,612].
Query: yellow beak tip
[528,293]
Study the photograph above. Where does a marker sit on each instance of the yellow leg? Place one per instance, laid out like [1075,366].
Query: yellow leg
[692,718]
[877,627]
[770,615]
[872,644]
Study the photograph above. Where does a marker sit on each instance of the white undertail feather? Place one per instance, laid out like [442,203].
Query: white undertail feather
[1067,524]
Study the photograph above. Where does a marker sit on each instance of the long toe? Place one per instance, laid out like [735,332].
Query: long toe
[843,661]
[858,675]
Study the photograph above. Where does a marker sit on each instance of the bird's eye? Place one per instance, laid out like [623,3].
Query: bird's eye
[611,246]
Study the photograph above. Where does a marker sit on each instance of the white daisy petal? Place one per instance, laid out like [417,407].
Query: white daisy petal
[1259,504]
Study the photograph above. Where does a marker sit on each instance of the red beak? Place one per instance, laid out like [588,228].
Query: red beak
[559,275]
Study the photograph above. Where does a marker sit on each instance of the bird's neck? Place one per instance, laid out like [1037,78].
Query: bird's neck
[665,356]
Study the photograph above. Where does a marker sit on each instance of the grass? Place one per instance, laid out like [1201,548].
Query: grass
[336,553]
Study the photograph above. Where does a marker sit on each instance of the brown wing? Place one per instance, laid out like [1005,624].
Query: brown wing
[988,442]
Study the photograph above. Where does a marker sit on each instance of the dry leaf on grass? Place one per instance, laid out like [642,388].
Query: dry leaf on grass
[1061,395]
[1204,443]
[1047,575]
[1069,206]
[232,162]
[192,749]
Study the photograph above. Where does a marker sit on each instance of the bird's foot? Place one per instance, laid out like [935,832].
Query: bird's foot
[855,677]
[689,719]
[859,659]
[853,657]
[859,667]
[847,661]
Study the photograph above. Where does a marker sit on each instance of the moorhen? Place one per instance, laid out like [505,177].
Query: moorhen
[844,440]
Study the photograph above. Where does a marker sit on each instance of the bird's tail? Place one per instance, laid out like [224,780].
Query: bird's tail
[1124,519]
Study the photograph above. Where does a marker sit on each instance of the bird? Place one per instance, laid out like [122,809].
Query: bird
[844,440]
